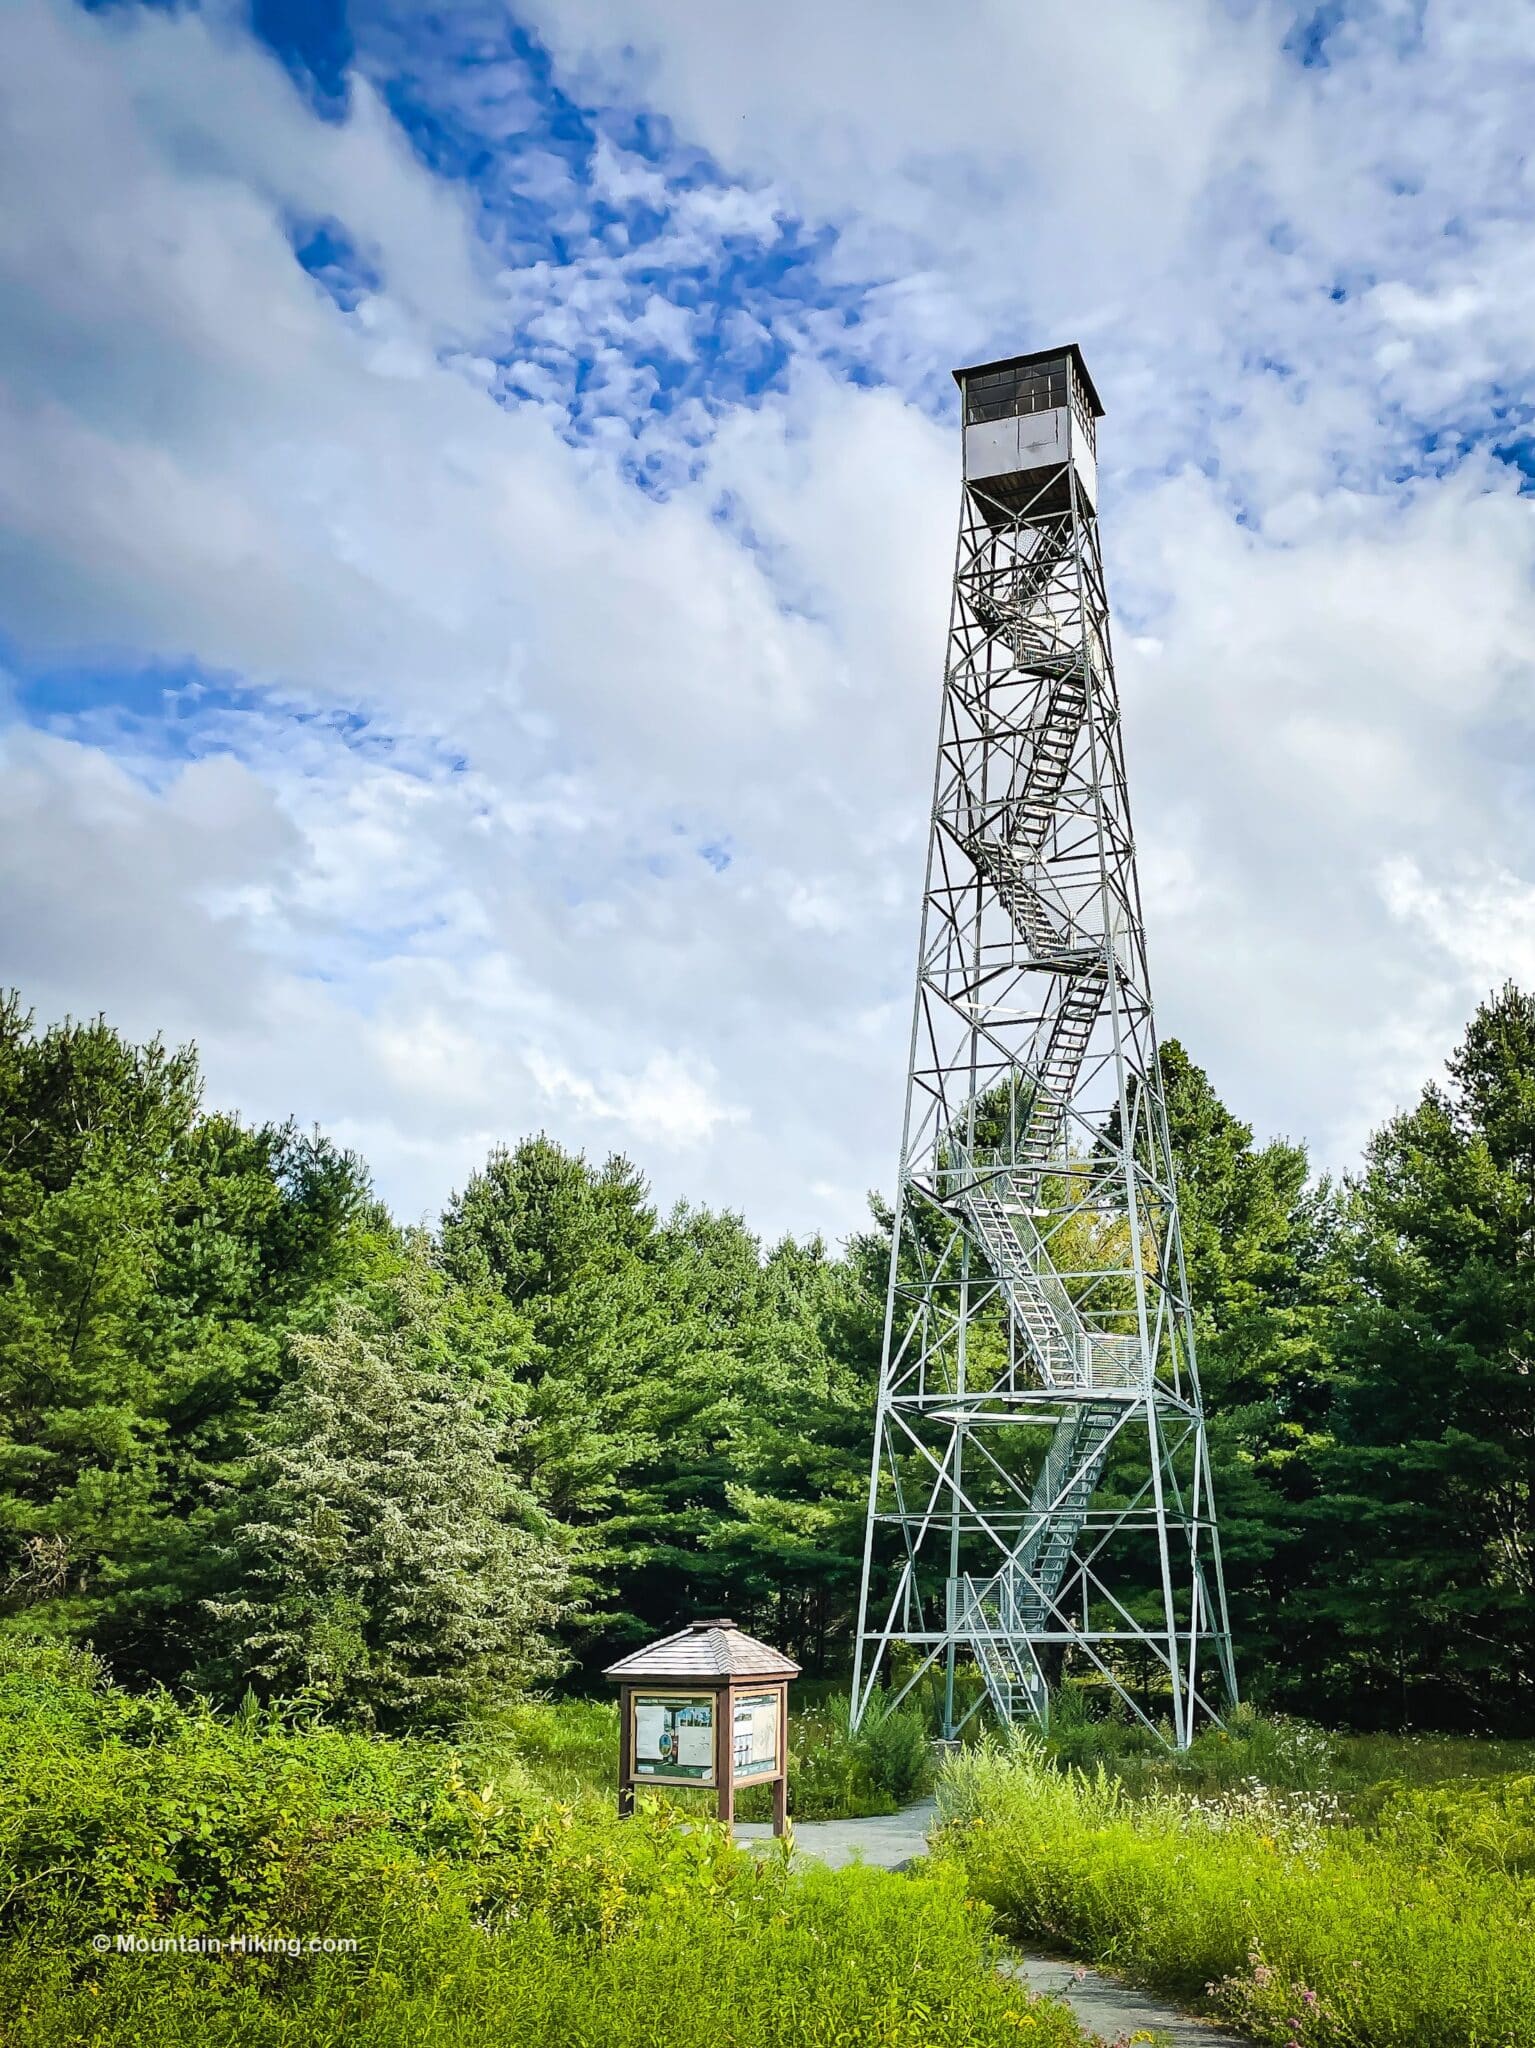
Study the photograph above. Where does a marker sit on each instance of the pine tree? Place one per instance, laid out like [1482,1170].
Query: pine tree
[383,1558]
[1267,1271]
[1427,1607]
[565,1246]
[151,1257]
[88,1126]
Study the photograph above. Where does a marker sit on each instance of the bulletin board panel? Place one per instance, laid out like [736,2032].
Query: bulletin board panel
[671,1737]
[755,1735]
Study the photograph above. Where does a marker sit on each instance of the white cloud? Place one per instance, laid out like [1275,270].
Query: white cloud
[986,132]
[1481,921]
[113,891]
[628,838]
[668,1102]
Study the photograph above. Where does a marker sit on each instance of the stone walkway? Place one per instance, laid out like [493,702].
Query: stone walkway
[887,1840]
[1101,2003]
[1110,2008]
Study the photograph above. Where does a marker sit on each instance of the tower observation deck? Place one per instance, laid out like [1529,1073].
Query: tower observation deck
[1040,1495]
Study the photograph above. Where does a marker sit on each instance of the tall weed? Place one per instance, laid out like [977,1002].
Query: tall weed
[1250,1748]
[837,1772]
[1303,1930]
[485,1911]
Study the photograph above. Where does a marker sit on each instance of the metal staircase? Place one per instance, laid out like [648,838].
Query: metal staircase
[1011,606]
[1036,1296]
[1055,738]
[1007,845]
[1081,964]
[1055,1074]
[1015,1683]
[1016,879]
[1026,627]
[1062,1496]
[1001,1613]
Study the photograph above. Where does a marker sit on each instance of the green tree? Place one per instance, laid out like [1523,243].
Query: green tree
[693,1409]
[1426,1610]
[1265,1248]
[87,1125]
[751,1501]
[383,1556]
[151,1257]
[564,1245]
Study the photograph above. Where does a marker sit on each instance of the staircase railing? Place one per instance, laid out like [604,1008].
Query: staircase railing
[981,1611]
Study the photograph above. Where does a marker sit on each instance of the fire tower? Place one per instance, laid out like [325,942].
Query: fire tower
[1040,1482]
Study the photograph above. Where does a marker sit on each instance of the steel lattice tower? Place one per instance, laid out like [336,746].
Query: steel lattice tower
[1040,1480]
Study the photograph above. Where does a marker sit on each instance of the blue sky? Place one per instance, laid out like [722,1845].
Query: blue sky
[476,499]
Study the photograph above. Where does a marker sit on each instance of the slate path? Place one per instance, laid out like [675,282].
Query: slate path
[887,1840]
[1113,2009]
[1102,2004]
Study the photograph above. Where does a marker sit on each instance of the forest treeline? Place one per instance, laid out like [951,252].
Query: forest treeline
[255,1434]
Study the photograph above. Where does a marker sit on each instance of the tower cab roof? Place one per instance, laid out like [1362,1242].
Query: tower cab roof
[1039,355]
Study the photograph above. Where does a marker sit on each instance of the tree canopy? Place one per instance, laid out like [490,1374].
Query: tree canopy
[254,1434]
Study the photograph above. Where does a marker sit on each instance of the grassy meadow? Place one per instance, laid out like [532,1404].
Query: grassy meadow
[1315,1892]
[300,1507]
[1326,1892]
[491,1891]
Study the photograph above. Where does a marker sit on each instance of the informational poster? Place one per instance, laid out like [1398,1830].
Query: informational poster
[674,1737]
[754,1735]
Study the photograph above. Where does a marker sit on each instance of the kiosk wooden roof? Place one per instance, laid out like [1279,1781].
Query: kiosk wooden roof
[706,1650]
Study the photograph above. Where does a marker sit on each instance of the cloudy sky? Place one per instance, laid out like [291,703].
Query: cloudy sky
[477,493]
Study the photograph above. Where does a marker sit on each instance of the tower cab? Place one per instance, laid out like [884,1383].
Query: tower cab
[1028,421]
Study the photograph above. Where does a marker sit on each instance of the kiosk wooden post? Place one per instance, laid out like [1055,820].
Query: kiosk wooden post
[709,1707]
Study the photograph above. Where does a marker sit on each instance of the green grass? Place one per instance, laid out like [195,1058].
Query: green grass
[1270,1906]
[570,1747]
[485,1908]
[748,1958]
[1275,1750]
[1428,1759]
[567,1747]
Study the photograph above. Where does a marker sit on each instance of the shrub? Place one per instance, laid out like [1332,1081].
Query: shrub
[1251,1748]
[1306,1932]
[838,1772]
[1487,1824]
[485,1911]
[799,1962]
[1079,1737]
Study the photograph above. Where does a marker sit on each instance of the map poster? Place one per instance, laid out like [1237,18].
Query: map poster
[673,1737]
[754,1736]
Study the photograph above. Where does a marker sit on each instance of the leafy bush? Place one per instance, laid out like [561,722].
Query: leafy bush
[777,1961]
[1487,1824]
[1251,1749]
[1082,1738]
[1305,1931]
[484,1911]
[838,1772]
[119,1811]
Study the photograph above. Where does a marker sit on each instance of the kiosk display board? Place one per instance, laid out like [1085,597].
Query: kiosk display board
[673,1737]
[754,1736]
